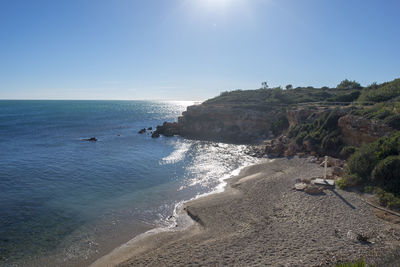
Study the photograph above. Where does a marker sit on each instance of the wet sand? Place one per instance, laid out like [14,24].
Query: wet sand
[259,220]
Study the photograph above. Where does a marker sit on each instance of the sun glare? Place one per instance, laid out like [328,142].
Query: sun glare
[216,3]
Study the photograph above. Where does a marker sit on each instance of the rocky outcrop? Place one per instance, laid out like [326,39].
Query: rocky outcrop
[227,123]
[301,115]
[357,130]
[167,129]
[277,147]
[233,124]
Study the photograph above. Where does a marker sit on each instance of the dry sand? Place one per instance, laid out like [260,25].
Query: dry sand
[261,221]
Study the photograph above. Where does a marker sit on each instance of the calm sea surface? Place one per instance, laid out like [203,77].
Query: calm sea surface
[63,200]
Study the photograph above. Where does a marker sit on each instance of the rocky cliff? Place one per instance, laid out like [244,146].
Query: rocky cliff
[227,123]
[357,130]
[233,124]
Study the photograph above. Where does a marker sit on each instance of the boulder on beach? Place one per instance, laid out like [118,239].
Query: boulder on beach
[314,190]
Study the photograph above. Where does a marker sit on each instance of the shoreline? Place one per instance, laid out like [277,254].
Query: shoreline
[259,219]
[183,221]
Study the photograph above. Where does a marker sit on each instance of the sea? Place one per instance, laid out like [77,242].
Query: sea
[67,202]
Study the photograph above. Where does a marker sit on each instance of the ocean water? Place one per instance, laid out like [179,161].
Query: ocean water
[66,201]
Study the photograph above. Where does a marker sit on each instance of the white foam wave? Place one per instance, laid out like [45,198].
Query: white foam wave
[181,147]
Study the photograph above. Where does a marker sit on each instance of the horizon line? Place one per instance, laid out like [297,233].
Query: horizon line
[49,99]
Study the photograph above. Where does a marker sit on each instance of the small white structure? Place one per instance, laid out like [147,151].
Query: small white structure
[327,182]
[324,181]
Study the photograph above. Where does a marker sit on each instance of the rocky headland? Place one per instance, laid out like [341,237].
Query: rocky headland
[262,219]
[271,128]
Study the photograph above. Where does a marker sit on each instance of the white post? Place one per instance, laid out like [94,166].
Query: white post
[325,167]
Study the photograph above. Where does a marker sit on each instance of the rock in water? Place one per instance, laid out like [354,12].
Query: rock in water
[155,134]
[167,129]
[92,139]
[142,131]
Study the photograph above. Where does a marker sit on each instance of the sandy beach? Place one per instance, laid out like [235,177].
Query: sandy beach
[260,220]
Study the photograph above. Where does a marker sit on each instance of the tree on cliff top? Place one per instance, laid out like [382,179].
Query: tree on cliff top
[347,84]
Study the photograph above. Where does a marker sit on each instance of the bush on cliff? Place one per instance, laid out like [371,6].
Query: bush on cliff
[365,159]
[279,125]
[377,164]
[393,121]
[322,135]
[387,174]
[347,84]
[387,199]
[380,111]
[349,97]
[380,93]
[266,98]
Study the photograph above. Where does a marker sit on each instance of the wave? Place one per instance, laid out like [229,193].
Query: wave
[181,147]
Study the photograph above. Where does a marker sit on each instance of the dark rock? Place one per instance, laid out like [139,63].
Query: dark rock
[275,148]
[337,171]
[150,128]
[167,129]
[314,190]
[92,139]
[142,131]
[155,134]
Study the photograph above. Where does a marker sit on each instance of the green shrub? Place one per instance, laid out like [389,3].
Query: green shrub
[342,183]
[299,138]
[393,121]
[387,174]
[345,97]
[347,84]
[369,189]
[323,134]
[388,146]
[279,125]
[380,93]
[360,263]
[377,164]
[362,162]
[352,179]
[347,151]
[387,199]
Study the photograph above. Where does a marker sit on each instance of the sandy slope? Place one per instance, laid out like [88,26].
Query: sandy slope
[261,220]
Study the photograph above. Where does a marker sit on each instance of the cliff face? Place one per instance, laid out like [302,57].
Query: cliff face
[296,116]
[357,130]
[226,123]
[229,123]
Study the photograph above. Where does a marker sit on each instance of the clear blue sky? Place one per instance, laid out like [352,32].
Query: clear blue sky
[191,49]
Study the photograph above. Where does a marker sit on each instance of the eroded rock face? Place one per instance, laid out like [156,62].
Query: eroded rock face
[357,130]
[226,123]
[301,115]
[167,129]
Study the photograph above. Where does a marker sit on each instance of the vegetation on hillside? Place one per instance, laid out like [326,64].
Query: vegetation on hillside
[266,98]
[375,165]
[322,135]
[346,91]
[389,91]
